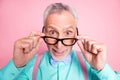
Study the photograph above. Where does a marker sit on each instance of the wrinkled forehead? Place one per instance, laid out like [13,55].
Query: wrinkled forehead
[60,20]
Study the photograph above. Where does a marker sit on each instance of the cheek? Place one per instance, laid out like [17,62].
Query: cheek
[69,48]
[49,46]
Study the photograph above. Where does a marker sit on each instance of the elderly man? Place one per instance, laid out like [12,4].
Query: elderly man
[60,62]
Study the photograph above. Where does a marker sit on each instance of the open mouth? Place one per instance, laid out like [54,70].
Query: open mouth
[58,52]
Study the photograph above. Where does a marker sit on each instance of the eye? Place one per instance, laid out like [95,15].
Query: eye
[69,32]
[52,32]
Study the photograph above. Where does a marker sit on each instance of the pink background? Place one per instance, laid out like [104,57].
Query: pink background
[99,19]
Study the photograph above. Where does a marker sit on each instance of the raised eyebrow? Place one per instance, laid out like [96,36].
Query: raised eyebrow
[51,27]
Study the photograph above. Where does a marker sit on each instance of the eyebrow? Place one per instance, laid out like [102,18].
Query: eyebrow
[68,27]
[51,27]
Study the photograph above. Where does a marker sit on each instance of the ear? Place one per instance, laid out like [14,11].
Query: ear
[43,29]
[77,31]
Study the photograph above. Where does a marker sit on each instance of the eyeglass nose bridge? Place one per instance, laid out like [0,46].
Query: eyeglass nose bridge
[59,40]
[63,42]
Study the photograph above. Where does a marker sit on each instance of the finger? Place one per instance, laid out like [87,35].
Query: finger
[34,49]
[96,48]
[36,36]
[80,43]
[33,33]
[37,46]
[100,50]
[90,45]
[36,33]
[35,39]
[38,40]
[30,41]
[86,44]
[25,46]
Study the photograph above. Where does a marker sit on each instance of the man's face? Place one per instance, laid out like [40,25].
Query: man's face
[60,25]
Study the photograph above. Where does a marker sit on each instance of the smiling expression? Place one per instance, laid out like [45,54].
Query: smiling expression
[60,25]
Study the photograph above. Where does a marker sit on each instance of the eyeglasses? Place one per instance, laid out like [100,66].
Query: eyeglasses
[65,41]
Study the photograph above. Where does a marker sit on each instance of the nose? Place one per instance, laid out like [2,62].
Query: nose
[59,45]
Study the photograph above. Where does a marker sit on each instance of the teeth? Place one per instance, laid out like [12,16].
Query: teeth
[58,51]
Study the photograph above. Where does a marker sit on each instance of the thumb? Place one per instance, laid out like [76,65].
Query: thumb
[80,43]
[40,40]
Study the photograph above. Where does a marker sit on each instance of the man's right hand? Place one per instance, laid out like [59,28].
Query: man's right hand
[25,48]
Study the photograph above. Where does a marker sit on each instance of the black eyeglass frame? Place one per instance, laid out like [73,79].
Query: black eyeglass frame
[57,40]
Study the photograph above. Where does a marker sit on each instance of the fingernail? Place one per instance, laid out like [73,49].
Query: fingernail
[82,40]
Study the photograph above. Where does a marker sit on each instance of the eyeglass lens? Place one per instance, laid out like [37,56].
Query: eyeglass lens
[65,41]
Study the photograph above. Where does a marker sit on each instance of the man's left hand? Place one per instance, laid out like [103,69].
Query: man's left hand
[94,52]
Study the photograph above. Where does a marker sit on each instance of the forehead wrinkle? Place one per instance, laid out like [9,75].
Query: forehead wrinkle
[69,27]
[65,18]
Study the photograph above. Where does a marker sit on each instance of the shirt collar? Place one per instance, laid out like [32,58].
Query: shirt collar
[67,60]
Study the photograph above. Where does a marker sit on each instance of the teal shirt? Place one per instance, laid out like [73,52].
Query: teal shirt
[61,71]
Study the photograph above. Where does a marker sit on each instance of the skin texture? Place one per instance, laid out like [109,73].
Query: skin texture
[60,25]
[94,51]
[25,48]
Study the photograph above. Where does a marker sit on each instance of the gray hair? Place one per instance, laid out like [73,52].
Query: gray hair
[58,8]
